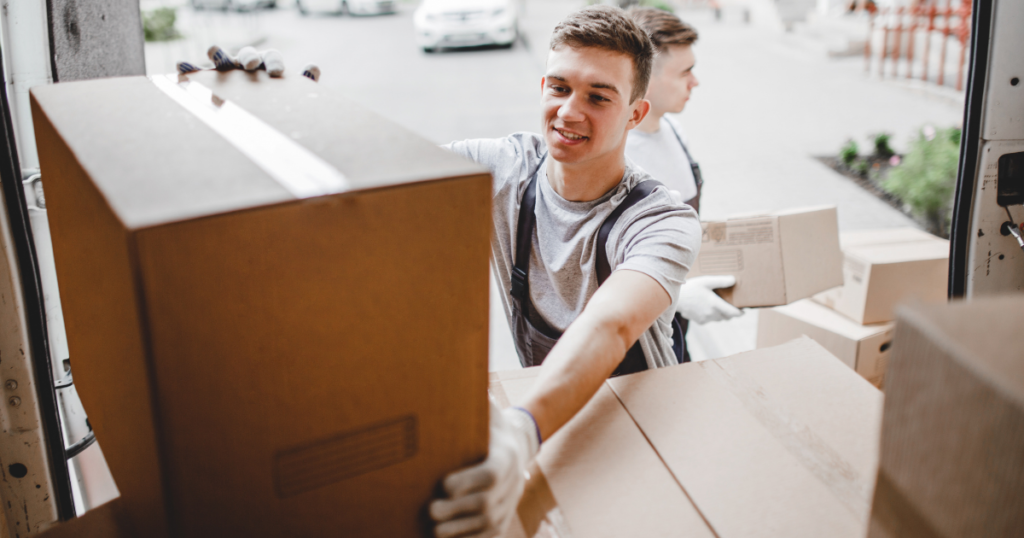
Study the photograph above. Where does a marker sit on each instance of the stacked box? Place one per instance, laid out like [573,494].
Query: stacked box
[276,302]
[777,259]
[780,441]
[952,460]
[881,268]
[865,348]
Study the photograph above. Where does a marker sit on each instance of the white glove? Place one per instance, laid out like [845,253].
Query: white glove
[482,499]
[699,304]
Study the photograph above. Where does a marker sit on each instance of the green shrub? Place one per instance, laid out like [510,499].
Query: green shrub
[849,152]
[926,178]
[882,148]
[158,25]
[861,168]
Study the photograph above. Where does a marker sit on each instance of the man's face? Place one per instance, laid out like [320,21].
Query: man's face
[672,79]
[586,106]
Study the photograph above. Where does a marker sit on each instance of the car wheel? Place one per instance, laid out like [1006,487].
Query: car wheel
[344,8]
[430,50]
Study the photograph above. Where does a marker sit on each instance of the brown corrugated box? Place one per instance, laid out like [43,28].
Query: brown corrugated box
[882,268]
[780,441]
[865,348]
[255,364]
[777,259]
[952,461]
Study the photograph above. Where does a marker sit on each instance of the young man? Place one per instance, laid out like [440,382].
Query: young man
[585,243]
[658,146]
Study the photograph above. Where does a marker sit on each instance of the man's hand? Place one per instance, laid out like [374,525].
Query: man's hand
[699,304]
[482,499]
[249,59]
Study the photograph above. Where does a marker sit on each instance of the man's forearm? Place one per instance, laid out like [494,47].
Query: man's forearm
[593,346]
[584,357]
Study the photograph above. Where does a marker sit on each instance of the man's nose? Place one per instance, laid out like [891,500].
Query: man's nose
[572,109]
[694,83]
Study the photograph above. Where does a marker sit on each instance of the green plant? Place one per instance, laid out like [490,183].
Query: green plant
[882,148]
[860,167]
[849,152]
[926,177]
[158,25]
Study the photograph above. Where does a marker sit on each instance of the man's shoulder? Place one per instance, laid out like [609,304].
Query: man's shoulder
[522,146]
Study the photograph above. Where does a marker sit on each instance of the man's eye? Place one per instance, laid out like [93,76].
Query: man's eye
[598,98]
[558,89]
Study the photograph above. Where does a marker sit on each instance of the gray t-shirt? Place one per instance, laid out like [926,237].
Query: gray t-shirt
[662,156]
[657,237]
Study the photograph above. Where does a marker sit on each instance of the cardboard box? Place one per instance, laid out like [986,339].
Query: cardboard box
[882,268]
[865,348]
[780,441]
[104,521]
[777,259]
[952,461]
[257,359]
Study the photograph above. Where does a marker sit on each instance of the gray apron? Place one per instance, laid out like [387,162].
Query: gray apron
[533,337]
[695,204]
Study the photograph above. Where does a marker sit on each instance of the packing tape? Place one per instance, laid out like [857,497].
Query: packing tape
[827,465]
[294,167]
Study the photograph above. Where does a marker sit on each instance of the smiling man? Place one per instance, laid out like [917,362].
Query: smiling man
[589,250]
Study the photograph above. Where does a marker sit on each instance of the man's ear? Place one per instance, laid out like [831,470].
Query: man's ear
[641,108]
[542,81]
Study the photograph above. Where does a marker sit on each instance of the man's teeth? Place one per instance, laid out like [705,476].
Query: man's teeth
[571,136]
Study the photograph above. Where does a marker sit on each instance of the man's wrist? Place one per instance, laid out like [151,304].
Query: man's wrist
[523,420]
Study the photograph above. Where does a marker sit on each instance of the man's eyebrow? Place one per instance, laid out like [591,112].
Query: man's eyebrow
[599,85]
[605,86]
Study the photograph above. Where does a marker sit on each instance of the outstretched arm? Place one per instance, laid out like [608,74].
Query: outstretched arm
[625,306]
[481,500]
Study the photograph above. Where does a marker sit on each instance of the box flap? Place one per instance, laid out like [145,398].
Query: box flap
[774,442]
[605,477]
[124,129]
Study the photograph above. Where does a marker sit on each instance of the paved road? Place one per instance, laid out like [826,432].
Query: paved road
[767,103]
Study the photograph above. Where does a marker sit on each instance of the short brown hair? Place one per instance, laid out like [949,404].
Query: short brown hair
[609,28]
[664,28]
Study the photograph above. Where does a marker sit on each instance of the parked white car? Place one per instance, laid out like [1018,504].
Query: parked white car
[350,7]
[466,23]
[240,5]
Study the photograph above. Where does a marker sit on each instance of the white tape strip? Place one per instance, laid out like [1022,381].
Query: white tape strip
[296,168]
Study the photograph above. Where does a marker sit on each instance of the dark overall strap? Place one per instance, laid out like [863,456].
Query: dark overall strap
[698,179]
[524,242]
[638,193]
[634,360]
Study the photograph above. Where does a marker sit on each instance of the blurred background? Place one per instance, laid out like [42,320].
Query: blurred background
[853,103]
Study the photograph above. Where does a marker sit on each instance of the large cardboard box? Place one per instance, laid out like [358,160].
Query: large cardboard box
[865,348]
[952,461]
[882,268]
[777,259]
[780,441]
[262,353]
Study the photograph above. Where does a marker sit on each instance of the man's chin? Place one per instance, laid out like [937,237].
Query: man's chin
[564,154]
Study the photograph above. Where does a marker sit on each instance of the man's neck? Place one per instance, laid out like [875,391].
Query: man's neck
[652,123]
[587,181]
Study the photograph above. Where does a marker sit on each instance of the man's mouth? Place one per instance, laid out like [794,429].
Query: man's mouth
[569,135]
